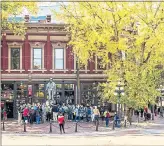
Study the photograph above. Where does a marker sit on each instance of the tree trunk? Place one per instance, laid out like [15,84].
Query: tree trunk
[129,115]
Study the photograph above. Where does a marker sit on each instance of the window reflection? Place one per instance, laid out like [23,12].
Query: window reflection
[69,86]
[22,90]
[39,90]
[59,86]
[100,65]
[15,58]
[59,58]
[37,58]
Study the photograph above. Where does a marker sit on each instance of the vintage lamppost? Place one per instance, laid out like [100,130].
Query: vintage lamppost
[95,90]
[78,81]
[118,92]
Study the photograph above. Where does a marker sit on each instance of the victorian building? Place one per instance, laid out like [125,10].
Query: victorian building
[28,63]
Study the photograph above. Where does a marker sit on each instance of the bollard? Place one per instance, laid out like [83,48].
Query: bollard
[125,124]
[3,128]
[76,127]
[113,125]
[24,126]
[50,126]
[97,125]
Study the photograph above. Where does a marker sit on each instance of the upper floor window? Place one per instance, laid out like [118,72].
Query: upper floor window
[100,65]
[59,59]
[15,58]
[37,58]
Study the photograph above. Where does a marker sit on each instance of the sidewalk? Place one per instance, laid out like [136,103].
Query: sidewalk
[152,127]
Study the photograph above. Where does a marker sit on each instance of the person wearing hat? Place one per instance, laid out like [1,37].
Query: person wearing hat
[61,122]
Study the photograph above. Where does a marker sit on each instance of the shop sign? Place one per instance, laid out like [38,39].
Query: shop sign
[29,90]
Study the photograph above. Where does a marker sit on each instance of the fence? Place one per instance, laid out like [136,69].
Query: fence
[77,126]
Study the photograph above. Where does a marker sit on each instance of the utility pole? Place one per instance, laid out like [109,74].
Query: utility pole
[78,80]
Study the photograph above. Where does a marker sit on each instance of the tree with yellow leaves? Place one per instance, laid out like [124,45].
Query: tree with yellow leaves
[13,9]
[132,33]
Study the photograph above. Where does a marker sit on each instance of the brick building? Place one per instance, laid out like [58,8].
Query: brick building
[27,64]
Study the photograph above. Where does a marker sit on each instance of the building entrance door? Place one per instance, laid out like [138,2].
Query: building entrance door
[9,109]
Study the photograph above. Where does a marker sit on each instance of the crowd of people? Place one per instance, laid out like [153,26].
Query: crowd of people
[40,113]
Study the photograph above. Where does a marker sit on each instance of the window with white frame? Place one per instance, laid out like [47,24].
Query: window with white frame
[15,58]
[37,58]
[59,59]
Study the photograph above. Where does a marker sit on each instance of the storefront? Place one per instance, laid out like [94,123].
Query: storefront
[13,94]
[7,98]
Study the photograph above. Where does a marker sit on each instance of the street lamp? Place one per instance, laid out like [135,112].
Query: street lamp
[95,90]
[118,92]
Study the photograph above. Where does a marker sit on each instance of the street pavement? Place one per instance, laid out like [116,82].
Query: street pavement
[144,133]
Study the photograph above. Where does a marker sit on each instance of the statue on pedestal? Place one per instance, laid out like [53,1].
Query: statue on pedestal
[51,89]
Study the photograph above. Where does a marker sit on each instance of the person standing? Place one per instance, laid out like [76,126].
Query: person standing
[20,115]
[76,114]
[44,113]
[55,111]
[25,114]
[4,115]
[92,114]
[61,122]
[88,114]
[96,113]
[107,116]
[48,113]
[31,115]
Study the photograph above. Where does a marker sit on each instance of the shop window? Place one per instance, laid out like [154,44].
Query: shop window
[39,90]
[100,65]
[69,86]
[7,91]
[37,58]
[15,58]
[22,91]
[59,59]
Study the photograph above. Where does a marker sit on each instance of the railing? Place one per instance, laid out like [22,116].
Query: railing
[53,126]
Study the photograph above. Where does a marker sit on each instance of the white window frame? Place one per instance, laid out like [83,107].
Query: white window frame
[37,45]
[12,46]
[56,58]
[75,69]
[58,45]
[96,64]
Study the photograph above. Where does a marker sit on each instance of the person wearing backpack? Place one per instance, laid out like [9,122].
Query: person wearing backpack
[107,116]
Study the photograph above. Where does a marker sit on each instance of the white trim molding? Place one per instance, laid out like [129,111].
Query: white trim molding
[96,64]
[58,70]
[58,45]
[10,46]
[75,69]
[39,45]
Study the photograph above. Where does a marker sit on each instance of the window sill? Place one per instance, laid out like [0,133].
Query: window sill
[80,70]
[99,70]
[58,70]
[37,70]
[17,70]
